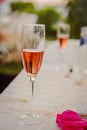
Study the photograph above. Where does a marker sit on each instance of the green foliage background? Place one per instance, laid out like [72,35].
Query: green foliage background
[77,16]
[22,7]
[49,16]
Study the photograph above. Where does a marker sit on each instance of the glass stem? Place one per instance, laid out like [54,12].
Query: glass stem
[32,81]
[62,56]
[79,64]
[32,87]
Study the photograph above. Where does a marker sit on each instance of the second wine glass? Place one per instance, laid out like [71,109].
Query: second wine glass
[63,34]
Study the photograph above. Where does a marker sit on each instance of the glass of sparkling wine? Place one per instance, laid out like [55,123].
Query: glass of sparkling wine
[32,47]
[63,34]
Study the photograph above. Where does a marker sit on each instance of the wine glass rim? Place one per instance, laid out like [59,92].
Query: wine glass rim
[33,24]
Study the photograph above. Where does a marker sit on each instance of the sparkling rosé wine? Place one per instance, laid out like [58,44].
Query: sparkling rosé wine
[63,41]
[32,60]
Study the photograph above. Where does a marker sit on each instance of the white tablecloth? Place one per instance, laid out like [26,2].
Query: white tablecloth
[54,92]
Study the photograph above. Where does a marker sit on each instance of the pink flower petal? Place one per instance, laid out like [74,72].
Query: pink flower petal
[70,120]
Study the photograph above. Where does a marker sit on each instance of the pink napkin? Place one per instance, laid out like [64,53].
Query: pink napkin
[70,120]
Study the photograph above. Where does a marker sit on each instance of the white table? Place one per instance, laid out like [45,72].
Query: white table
[53,91]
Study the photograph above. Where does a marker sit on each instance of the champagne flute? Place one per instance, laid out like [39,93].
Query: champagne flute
[63,34]
[32,46]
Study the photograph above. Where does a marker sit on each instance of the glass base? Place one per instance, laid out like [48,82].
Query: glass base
[31,119]
[80,82]
[67,75]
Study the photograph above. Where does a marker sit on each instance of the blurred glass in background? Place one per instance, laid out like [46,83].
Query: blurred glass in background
[82,55]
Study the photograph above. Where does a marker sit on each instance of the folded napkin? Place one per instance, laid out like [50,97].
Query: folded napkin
[70,120]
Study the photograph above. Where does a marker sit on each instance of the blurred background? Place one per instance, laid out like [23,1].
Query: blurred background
[15,12]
